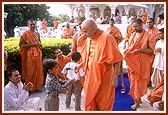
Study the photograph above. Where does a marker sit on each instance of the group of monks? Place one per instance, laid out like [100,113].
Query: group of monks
[101,60]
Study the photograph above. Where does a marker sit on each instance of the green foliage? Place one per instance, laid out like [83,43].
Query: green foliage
[19,14]
[48,46]
[64,17]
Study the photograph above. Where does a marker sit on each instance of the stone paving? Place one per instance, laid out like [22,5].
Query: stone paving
[62,98]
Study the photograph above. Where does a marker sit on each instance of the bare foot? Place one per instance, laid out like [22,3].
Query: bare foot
[135,106]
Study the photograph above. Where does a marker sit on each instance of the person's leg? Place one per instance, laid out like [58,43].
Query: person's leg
[122,78]
[69,94]
[77,93]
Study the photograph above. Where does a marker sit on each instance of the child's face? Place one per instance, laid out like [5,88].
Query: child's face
[58,53]
[53,70]
[160,35]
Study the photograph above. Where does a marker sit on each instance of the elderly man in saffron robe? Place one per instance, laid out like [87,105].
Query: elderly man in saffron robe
[31,55]
[136,55]
[101,57]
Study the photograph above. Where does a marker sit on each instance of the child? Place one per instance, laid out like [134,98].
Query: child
[53,85]
[69,71]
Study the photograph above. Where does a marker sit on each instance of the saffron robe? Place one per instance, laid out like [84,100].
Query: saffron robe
[32,68]
[99,94]
[138,65]
[154,34]
[61,63]
[157,93]
[115,32]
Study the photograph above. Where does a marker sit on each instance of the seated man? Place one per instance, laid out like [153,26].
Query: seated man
[156,94]
[16,94]
[68,32]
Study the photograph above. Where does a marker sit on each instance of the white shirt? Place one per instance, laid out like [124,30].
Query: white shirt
[159,56]
[15,99]
[17,31]
[69,69]
[14,96]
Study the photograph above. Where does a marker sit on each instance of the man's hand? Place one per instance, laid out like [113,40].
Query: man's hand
[28,86]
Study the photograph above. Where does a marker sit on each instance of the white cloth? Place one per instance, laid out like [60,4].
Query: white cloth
[69,69]
[17,32]
[158,63]
[15,98]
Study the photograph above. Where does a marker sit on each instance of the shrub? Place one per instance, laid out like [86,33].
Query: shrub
[48,46]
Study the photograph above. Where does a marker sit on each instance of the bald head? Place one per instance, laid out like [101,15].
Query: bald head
[89,27]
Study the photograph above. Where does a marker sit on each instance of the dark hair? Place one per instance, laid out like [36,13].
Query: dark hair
[161,16]
[161,30]
[151,19]
[75,56]
[111,19]
[48,64]
[31,20]
[10,72]
[139,21]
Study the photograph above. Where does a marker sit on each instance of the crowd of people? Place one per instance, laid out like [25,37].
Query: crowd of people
[92,65]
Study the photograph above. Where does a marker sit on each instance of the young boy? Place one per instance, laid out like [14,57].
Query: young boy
[69,71]
[53,85]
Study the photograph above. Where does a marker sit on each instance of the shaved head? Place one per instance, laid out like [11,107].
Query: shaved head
[89,27]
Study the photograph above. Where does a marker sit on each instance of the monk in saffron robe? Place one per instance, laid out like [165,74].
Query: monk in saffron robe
[62,60]
[68,32]
[138,63]
[55,23]
[79,38]
[129,29]
[115,32]
[31,55]
[154,33]
[157,93]
[101,57]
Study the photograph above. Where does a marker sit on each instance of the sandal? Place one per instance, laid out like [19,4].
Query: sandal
[122,90]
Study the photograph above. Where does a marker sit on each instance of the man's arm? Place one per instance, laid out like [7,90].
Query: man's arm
[74,43]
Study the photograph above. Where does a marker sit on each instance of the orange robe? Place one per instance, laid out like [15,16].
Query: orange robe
[44,25]
[68,33]
[138,65]
[154,34]
[5,59]
[61,63]
[99,94]
[115,32]
[156,94]
[80,43]
[129,31]
[55,23]
[32,69]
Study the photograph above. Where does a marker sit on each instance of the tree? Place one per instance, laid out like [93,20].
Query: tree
[19,14]
[64,17]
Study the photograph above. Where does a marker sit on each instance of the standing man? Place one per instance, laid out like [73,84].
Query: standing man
[31,55]
[16,31]
[154,33]
[39,25]
[44,25]
[55,24]
[101,57]
[138,62]
[79,38]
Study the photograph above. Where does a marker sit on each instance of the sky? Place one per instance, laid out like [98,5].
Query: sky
[56,9]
